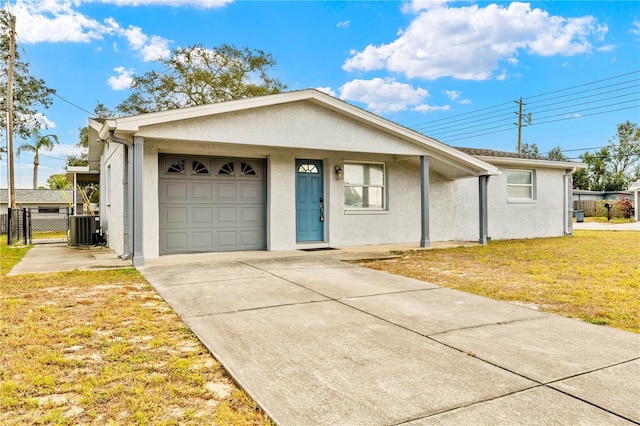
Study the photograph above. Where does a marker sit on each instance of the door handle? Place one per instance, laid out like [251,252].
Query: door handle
[321,210]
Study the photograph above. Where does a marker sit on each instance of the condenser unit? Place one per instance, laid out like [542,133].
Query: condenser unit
[83,230]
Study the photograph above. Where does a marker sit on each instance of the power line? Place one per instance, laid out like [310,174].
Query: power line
[72,104]
[455,127]
[584,84]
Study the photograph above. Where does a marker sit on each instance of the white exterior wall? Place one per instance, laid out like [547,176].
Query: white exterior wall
[454,214]
[542,217]
[112,195]
[399,224]
[281,134]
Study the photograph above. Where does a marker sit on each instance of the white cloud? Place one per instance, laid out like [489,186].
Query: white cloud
[58,21]
[123,80]
[452,94]
[344,24]
[328,90]
[63,150]
[151,48]
[635,28]
[53,21]
[203,4]
[430,108]
[383,95]
[414,6]
[44,121]
[471,42]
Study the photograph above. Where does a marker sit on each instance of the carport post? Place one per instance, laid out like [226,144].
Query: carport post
[425,240]
[483,204]
[138,151]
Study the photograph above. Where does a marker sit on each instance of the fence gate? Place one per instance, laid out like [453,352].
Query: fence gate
[17,226]
[30,226]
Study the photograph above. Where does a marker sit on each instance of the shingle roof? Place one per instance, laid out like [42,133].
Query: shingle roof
[493,153]
[45,196]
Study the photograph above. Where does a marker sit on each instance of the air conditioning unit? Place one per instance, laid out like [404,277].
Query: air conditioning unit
[83,230]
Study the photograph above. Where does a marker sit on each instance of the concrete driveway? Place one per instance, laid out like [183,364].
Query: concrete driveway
[316,341]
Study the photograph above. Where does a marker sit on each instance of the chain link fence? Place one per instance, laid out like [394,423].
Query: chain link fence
[30,226]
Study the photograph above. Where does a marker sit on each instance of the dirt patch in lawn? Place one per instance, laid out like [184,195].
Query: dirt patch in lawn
[594,275]
[101,347]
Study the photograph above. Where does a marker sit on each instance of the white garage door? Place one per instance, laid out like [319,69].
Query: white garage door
[211,204]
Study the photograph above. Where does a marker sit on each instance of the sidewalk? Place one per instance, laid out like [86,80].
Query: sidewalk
[60,257]
[606,226]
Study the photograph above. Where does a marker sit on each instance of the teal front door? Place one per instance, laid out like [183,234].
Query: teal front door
[309,201]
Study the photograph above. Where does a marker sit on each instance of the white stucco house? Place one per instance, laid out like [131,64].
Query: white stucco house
[305,170]
[634,189]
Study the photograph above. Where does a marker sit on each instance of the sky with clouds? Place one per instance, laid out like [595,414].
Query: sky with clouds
[448,69]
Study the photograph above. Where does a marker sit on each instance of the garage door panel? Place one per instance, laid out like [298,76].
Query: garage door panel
[227,240]
[175,191]
[175,242]
[202,191]
[220,210]
[251,238]
[226,216]
[225,192]
[175,215]
[202,216]
[202,241]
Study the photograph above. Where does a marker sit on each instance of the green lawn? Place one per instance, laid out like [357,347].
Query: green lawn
[594,275]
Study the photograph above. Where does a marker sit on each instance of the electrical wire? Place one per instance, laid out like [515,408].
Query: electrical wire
[458,127]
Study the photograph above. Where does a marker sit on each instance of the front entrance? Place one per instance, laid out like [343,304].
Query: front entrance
[309,201]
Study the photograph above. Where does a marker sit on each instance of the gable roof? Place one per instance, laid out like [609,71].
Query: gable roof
[513,158]
[454,163]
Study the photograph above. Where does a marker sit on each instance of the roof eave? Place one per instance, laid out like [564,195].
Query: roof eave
[532,162]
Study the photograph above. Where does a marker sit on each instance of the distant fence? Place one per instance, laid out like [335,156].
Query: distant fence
[589,207]
[48,228]
[29,226]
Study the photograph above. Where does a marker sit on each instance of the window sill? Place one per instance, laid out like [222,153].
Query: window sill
[365,211]
[520,201]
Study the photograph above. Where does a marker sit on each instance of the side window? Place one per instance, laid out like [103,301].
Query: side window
[364,186]
[520,184]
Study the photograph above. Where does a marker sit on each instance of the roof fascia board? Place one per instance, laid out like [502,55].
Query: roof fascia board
[530,162]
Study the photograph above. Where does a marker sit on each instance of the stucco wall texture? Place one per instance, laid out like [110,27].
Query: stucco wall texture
[453,207]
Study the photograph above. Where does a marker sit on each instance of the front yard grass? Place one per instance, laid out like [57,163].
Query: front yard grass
[101,347]
[594,275]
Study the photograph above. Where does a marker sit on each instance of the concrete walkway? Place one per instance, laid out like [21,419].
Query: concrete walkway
[60,257]
[316,341]
[607,226]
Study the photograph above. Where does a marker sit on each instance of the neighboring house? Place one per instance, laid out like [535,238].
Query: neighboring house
[585,195]
[305,170]
[635,191]
[39,200]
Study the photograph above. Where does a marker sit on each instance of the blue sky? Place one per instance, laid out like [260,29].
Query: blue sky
[449,69]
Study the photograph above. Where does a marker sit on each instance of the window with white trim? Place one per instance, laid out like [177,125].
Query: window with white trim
[520,184]
[364,186]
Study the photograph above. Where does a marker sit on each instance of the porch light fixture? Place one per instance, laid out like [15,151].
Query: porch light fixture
[339,172]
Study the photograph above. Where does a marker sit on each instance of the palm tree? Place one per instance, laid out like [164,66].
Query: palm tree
[46,143]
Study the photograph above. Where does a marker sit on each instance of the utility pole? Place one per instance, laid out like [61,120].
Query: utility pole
[12,55]
[521,117]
